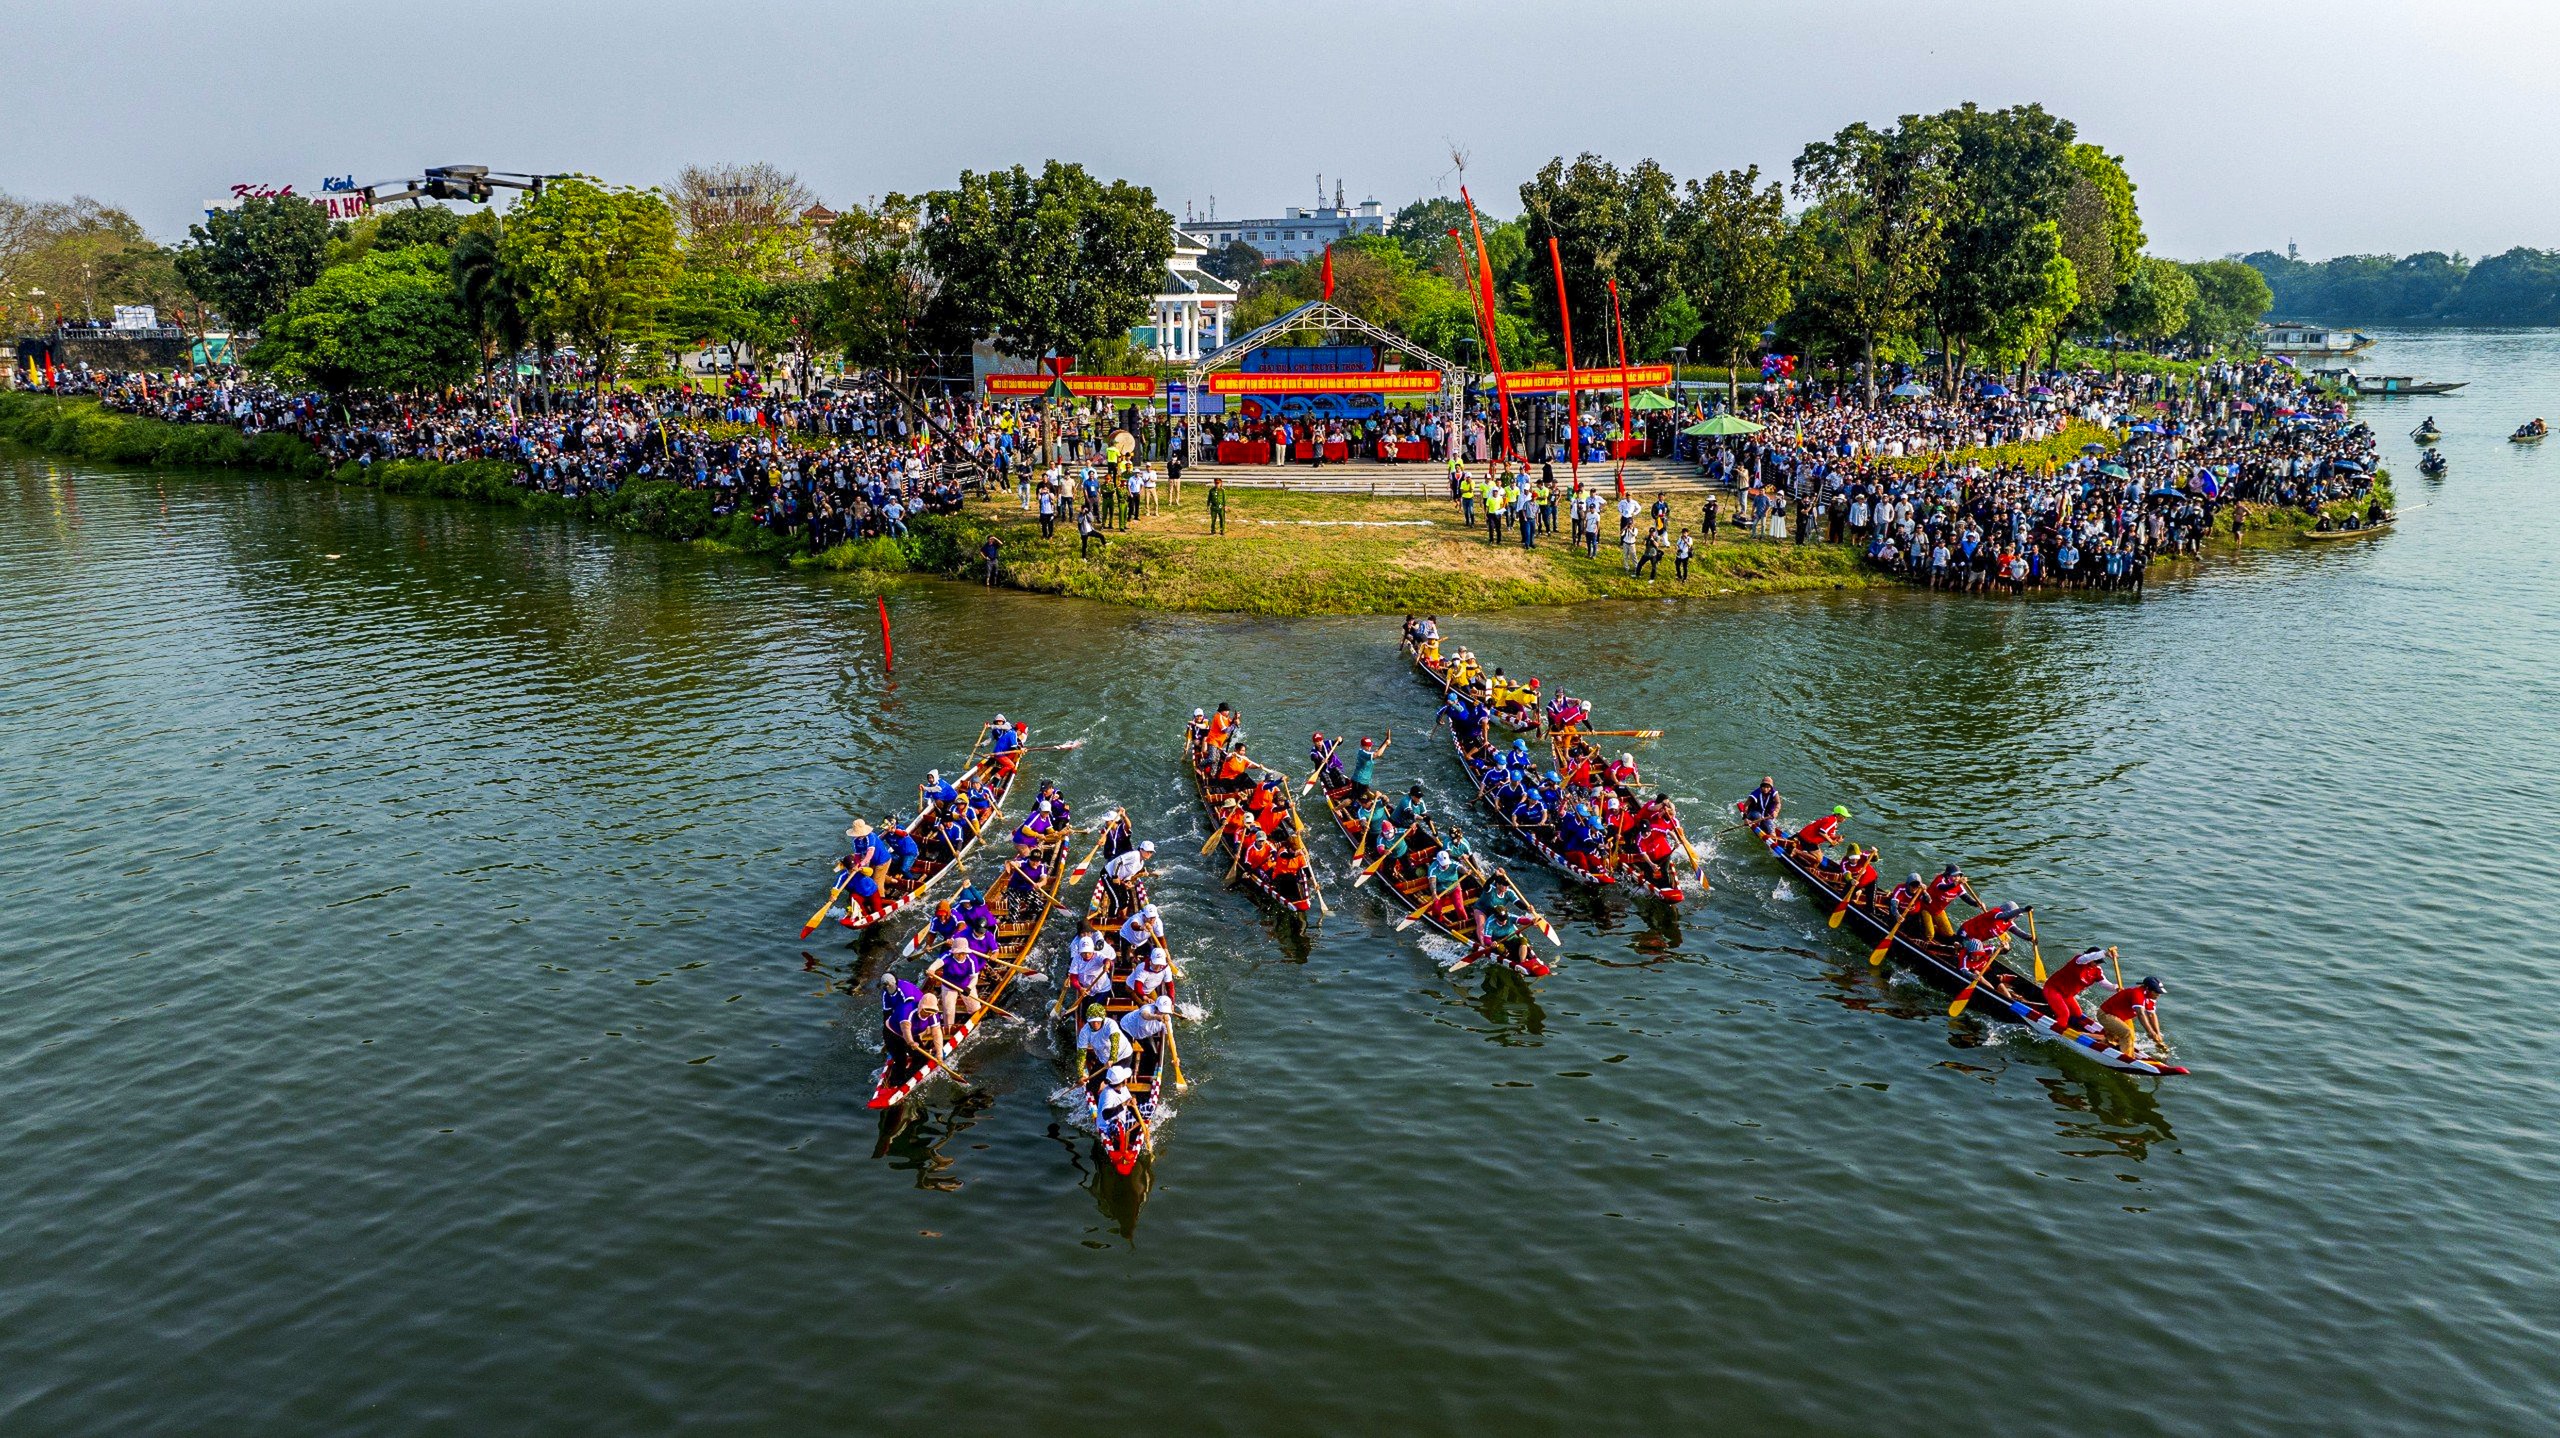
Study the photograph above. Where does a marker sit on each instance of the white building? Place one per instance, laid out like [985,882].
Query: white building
[1192,311]
[1297,235]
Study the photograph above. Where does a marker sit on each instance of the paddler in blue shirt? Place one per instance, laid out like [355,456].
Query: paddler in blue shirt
[1364,767]
[1410,809]
[1004,744]
[938,790]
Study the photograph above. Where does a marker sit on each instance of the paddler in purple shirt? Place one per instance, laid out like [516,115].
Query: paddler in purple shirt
[906,1024]
[952,983]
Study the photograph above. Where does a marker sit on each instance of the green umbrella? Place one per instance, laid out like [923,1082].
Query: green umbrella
[1651,401]
[1724,424]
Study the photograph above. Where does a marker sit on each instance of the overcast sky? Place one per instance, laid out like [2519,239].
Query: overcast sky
[2345,126]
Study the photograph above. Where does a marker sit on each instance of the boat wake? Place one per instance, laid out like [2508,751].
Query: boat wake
[1443,951]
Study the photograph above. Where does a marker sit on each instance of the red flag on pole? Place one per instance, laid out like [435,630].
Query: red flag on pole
[1572,401]
[1492,342]
[888,657]
[1328,272]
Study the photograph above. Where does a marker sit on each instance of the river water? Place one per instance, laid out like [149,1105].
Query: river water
[401,1028]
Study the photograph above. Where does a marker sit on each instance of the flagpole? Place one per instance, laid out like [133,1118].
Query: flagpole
[1626,400]
[1572,400]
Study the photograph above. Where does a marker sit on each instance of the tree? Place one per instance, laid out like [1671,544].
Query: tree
[1607,225]
[2520,287]
[1423,227]
[2008,171]
[2230,300]
[420,225]
[1046,264]
[1868,248]
[388,321]
[1427,222]
[1733,262]
[491,296]
[1235,262]
[709,305]
[79,257]
[247,262]
[596,264]
[2101,232]
[747,218]
[2153,303]
[881,301]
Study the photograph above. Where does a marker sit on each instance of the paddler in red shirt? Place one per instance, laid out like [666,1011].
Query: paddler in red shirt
[1991,927]
[2062,991]
[2118,1014]
[1943,891]
[1810,839]
[1859,872]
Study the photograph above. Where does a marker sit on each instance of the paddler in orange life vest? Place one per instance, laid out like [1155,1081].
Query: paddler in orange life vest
[2062,991]
[1943,891]
[1235,769]
[1221,725]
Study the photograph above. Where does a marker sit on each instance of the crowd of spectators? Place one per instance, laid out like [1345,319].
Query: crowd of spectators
[1917,481]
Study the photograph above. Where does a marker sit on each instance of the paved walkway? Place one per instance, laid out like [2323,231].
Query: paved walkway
[1372,477]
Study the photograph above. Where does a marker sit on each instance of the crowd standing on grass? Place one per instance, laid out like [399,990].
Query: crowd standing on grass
[1916,483]
[1913,483]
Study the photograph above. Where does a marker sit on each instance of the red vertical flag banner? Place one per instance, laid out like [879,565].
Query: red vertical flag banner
[1626,395]
[1572,404]
[888,657]
[1492,342]
[1328,272]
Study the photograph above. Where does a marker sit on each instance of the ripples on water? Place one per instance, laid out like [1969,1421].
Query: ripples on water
[402,1029]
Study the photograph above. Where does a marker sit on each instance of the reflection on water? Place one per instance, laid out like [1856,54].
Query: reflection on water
[472,859]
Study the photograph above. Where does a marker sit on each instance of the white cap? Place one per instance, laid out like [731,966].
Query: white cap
[1117,1073]
[1146,846]
[1199,713]
[1161,1004]
[1161,955]
[1148,913]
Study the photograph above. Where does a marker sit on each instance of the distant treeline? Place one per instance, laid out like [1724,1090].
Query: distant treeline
[2520,287]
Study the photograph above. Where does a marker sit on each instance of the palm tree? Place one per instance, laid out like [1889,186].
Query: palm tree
[494,299]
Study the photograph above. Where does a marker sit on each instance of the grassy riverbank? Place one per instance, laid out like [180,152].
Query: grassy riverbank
[1283,553]
[1286,553]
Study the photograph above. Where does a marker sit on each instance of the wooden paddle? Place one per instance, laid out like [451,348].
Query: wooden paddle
[1536,919]
[1218,830]
[1384,855]
[1427,905]
[2038,949]
[820,917]
[1956,1009]
[1620,733]
[1078,873]
[1173,1049]
[1884,946]
[1698,865]
[918,1050]
[1320,763]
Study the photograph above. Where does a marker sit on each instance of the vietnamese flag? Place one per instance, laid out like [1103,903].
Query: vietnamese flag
[1328,272]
